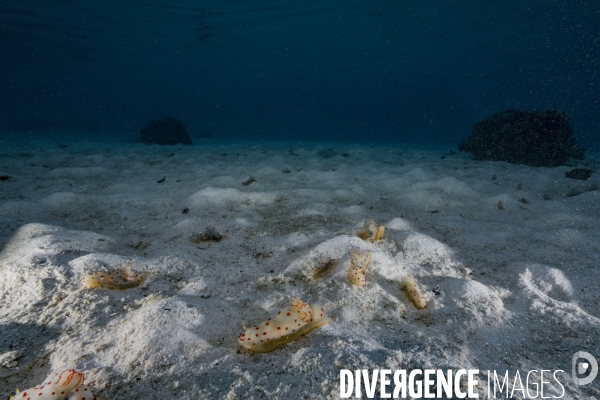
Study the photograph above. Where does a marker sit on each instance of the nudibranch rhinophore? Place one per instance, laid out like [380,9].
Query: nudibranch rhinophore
[371,232]
[358,266]
[124,278]
[68,386]
[323,268]
[413,292]
[289,324]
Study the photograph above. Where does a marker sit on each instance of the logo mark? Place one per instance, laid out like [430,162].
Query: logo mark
[590,365]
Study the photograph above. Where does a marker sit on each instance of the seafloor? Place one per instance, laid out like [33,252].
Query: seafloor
[506,255]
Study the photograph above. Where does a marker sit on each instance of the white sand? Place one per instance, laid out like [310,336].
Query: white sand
[511,289]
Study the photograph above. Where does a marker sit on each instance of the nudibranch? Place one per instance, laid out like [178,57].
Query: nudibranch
[371,232]
[323,268]
[68,386]
[358,266]
[289,324]
[413,292]
[124,278]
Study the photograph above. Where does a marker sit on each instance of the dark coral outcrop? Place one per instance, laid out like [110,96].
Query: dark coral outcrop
[582,174]
[168,130]
[537,138]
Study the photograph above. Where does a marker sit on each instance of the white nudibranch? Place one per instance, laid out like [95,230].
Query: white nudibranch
[413,292]
[68,386]
[289,324]
[124,278]
[358,266]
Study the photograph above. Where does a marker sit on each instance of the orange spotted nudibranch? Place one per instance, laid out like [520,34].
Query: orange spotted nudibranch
[413,292]
[323,268]
[68,386]
[371,231]
[124,278]
[358,266]
[289,324]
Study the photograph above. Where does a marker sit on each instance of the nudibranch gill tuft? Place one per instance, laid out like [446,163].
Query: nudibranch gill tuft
[124,278]
[68,386]
[358,266]
[289,324]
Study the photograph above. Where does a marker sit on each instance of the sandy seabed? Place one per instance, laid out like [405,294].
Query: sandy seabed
[506,255]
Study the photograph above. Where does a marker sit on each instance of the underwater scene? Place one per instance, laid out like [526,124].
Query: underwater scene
[321,199]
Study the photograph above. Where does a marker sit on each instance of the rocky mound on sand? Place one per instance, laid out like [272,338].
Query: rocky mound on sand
[537,138]
[168,130]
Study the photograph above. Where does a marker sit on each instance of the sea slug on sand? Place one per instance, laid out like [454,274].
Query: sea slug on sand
[413,292]
[124,278]
[371,232]
[322,268]
[289,324]
[68,386]
[358,266]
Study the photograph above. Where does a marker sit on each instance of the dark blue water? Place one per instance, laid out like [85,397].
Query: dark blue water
[406,71]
